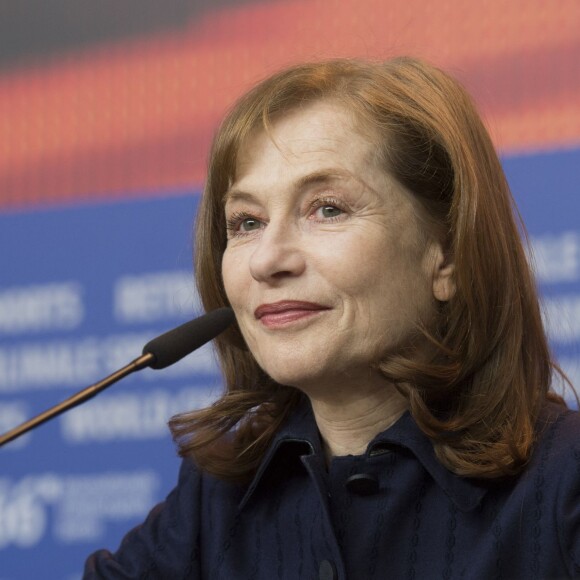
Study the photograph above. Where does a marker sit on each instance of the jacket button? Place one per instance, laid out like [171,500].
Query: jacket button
[362,484]
[327,571]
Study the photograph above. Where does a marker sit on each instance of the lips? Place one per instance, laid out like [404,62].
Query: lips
[286,311]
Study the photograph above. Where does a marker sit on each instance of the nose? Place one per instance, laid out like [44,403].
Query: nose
[278,254]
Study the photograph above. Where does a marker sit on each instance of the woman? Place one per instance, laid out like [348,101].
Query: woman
[387,412]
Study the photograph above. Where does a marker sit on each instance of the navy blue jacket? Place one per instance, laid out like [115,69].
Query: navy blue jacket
[393,512]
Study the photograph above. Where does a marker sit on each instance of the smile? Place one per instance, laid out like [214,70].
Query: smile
[286,312]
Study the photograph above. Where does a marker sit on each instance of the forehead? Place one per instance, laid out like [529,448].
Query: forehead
[320,136]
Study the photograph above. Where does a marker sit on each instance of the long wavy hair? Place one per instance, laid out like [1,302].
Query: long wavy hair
[487,372]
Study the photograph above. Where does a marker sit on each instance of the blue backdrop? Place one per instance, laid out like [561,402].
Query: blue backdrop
[84,288]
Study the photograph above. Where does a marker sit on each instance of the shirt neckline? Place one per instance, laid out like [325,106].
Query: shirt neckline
[299,435]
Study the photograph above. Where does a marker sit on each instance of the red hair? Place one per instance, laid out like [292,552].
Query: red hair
[478,391]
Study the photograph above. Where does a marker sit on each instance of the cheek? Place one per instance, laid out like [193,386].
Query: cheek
[347,255]
[381,277]
[358,263]
[232,275]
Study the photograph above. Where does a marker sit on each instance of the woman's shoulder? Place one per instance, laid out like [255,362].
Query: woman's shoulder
[195,483]
[165,545]
[558,422]
[558,442]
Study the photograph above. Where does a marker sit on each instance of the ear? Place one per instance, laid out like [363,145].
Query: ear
[443,274]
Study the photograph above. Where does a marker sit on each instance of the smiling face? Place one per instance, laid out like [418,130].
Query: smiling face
[327,266]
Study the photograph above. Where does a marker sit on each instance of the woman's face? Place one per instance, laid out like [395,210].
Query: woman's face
[326,266]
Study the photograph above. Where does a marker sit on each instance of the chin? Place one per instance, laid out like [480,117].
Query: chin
[294,377]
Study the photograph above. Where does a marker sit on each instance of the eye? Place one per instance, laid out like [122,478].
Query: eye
[329,211]
[242,223]
[249,224]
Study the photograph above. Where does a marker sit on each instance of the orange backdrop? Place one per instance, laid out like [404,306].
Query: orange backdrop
[135,117]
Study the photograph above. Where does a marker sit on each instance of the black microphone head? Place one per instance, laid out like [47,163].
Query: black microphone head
[173,345]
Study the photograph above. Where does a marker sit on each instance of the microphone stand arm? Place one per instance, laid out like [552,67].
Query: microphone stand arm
[136,365]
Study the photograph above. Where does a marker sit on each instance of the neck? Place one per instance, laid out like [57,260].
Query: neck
[348,419]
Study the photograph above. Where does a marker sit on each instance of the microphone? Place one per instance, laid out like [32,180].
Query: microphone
[159,353]
[173,345]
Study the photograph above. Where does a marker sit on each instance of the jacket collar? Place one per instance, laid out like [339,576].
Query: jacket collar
[465,493]
[299,436]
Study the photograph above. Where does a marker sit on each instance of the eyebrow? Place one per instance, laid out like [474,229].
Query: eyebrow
[319,177]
